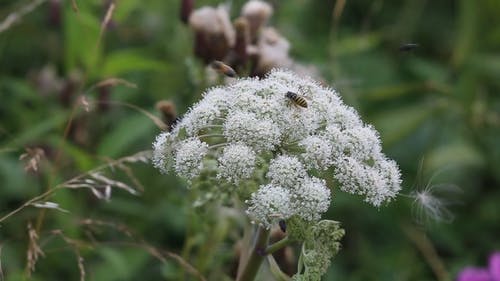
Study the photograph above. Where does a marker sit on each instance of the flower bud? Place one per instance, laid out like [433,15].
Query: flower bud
[272,52]
[257,13]
[242,40]
[214,34]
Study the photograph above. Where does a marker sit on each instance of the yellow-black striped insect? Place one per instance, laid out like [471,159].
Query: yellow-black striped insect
[296,99]
[223,68]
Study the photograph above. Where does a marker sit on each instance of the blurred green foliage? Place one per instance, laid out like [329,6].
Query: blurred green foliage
[438,103]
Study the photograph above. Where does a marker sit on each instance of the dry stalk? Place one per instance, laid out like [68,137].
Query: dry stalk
[74,6]
[16,16]
[424,245]
[113,81]
[104,23]
[85,181]
[75,246]
[159,254]
[158,122]
[34,251]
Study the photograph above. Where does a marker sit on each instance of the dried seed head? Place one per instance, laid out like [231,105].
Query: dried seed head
[214,33]
[32,159]
[242,40]
[272,52]
[34,251]
[257,13]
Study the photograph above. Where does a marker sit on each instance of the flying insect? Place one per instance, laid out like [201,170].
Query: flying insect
[223,68]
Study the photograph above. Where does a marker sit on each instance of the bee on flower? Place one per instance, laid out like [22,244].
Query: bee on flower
[248,132]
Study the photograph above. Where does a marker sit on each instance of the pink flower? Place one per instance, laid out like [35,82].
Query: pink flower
[474,274]
[492,273]
[494,266]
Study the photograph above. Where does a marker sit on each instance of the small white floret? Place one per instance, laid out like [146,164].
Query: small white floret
[312,199]
[189,156]
[162,153]
[318,152]
[237,162]
[286,171]
[245,127]
[269,204]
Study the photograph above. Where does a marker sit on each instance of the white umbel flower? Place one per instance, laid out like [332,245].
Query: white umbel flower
[269,204]
[362,143]
[286,171]
[162,152]
[189,156]
[237,162]
[312,199]
[296,147]
[318,152]
[379,182]
[200,117]
[245,127]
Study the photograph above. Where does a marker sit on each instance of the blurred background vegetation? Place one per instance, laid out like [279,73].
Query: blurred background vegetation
[438,104]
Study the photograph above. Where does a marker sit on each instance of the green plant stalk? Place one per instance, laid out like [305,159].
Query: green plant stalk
[275,269]
[215,238]
[256,255]
[278,245]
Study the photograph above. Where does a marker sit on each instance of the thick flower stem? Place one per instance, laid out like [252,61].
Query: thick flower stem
[278,245]
[256,255]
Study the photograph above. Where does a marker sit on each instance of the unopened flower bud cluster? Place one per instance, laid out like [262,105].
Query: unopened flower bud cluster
[251,125]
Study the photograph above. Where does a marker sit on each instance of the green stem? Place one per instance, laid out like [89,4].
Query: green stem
[300,263]
[256,256]
[278,245]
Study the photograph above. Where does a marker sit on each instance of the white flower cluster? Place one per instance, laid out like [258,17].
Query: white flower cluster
[236,162]
[252,125]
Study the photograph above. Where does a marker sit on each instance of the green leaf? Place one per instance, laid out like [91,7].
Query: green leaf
[459,154]
[275,269]
[125,8]
[81,158]
[428,70]
[487,64]
[126,133]
[38,130]
[467,31]
[388,92]
[81,32]
[121,264]
[120,62]
[354,44]
[398,123]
